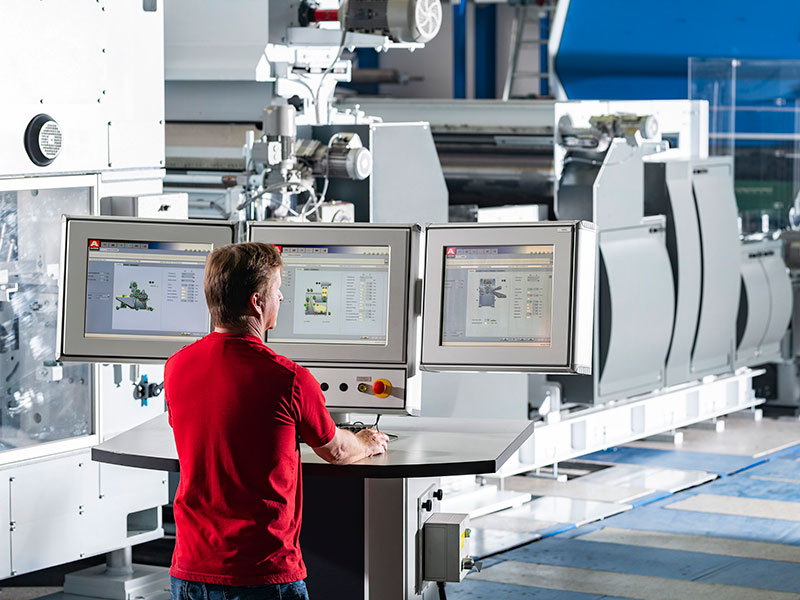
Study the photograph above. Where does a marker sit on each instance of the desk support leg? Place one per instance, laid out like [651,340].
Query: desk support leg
[361,538]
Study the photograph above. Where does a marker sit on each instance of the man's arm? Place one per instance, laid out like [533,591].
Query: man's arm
[346,447]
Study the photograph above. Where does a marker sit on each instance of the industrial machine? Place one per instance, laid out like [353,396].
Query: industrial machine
[299,164]
[765,305]
[252,134]
[66,138]
[634,169]
[305,160]
[667,232]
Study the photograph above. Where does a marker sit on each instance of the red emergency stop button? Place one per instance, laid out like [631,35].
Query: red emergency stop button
[381,388]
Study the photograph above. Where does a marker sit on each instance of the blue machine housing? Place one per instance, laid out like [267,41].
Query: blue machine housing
[633,50]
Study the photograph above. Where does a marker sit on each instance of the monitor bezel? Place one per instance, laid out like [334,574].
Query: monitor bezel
[400,239]
[76,233]
[556,358]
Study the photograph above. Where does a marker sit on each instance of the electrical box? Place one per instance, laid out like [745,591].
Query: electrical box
[446,547]
[153,206]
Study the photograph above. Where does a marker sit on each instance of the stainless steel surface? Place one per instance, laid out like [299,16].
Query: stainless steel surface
[120,562]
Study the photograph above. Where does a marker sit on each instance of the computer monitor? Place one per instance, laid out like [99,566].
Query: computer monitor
[131,289]
[510,297]
[348,311]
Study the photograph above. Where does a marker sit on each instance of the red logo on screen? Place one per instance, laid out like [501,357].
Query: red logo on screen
[279,249]
[451,252]
[94,243]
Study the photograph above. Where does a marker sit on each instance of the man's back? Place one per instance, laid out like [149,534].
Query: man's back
[236,409]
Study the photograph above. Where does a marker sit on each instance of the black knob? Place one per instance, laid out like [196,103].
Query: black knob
[323,386]
[343,387]
[438,494]
[428,505]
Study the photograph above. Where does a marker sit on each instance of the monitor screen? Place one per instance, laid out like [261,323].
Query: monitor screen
[145,290]
[131,290]
[497,296]
[509,297]
[334,294]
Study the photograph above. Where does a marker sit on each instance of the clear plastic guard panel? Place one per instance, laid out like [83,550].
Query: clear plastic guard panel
[40,401]
[754,116]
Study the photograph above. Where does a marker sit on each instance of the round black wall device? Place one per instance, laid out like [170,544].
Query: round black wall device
[43,140]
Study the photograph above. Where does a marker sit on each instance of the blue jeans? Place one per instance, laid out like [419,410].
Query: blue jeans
[181,589]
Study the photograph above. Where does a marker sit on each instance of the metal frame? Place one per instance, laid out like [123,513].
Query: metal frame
[607,425]
[72,345]
[574,248]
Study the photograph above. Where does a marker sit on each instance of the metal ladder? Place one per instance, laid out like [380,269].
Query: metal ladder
[519,39]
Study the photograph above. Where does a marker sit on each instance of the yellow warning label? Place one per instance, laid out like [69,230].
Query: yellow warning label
[463,539]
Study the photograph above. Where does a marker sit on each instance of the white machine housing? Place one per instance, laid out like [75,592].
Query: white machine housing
[95,69]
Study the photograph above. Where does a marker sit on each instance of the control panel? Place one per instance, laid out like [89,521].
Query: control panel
[362,388]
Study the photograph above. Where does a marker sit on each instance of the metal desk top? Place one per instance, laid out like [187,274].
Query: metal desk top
[426,447]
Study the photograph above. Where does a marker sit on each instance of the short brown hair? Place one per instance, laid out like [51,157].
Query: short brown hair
[233,273]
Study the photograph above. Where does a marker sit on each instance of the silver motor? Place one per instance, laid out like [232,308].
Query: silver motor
[409,21]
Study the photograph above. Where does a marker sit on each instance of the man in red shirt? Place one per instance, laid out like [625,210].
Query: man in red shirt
[236,409]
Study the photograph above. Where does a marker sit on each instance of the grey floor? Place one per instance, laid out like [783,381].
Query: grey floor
[27,592]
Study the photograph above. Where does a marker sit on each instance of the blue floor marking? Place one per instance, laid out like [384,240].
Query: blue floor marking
[620,558]
[720,464]
[579,531]
[471,589]
[758,462]
[788,469]
[762,574]
[650,498]
[562,544]
[559,529]
[786,452]
[653,517]
[744,486]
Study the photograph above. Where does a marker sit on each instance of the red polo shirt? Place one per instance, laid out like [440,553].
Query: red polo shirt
[236,409]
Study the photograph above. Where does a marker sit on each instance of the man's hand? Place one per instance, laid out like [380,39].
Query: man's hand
[374,440]
[346,448]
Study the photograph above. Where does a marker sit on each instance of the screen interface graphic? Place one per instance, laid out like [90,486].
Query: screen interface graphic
[146,290]
[333,295]
[497,296]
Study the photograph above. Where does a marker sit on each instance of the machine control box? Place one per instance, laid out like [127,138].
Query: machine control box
[446,547]
[361,389]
